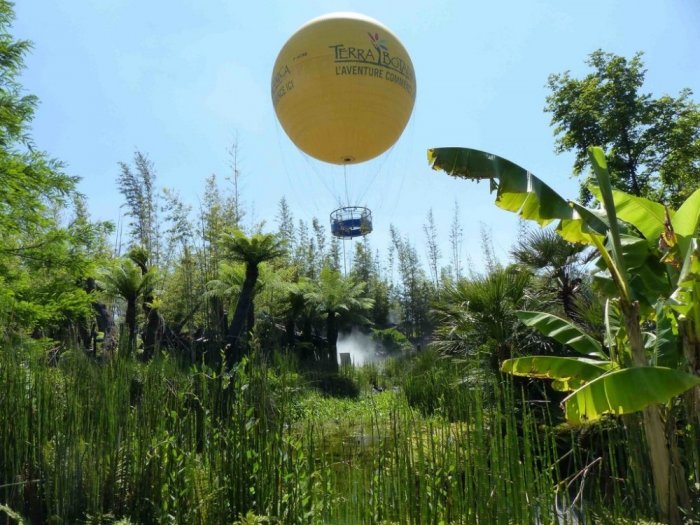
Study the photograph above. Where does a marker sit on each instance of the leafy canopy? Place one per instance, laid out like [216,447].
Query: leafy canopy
[43,262]
[653,144]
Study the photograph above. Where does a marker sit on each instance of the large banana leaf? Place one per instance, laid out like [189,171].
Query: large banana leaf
[563,332]
[647,275]
[649,217]
[645,215]
[613,323]
[686,221]
[569,373]
[650,282]
[635,251]
[625,391]
[667,347]
[685,298]
[520,191]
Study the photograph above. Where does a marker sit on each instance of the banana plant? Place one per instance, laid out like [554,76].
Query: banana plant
[648,268]
[629,267]
[598,383]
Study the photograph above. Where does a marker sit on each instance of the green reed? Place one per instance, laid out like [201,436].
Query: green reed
[97,442]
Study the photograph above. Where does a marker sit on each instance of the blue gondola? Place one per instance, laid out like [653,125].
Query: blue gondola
[350,222]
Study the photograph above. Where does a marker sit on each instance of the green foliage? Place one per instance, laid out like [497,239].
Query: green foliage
[112,440]
[477,317]
[125,279]
[228,285]
[11,514]
[569,373]
[152,443]
[519,191]
[542,249]
[653,144]
[620,259]
[366,269]
[183,293]
[563,332]
[414,292]
[625,391]
[43,262]
[139,190]
[632,274]
[391,340]
[251,250]
[560,276]
[340,297]
[433,383]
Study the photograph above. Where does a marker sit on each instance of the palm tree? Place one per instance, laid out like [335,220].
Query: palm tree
[228,285]
[340,300]
[560,262]
[251,251]
[154,324]
[478,314]
[127,281]
[299,313]
[223,294]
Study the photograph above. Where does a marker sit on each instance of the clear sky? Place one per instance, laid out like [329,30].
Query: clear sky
[180,79]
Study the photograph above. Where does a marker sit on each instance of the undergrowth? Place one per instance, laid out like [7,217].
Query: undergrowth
[120,441]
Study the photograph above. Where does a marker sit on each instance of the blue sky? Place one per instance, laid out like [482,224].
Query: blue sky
[180,80]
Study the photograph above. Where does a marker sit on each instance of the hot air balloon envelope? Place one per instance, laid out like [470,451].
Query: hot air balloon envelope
[343,88]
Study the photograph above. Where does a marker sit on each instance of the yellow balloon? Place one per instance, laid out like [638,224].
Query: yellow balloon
[343,88]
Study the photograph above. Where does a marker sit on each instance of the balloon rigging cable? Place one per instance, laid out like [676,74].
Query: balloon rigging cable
[285,167]
[384,159]
[345,176]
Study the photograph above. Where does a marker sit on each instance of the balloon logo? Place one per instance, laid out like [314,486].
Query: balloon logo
[343,88]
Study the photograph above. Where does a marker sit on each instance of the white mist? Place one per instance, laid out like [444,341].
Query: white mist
[361,347]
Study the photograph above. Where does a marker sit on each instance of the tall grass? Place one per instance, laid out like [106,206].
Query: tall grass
[89,442]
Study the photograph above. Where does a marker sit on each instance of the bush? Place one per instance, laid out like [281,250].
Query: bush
[391,340]
[433,383]
[333,384]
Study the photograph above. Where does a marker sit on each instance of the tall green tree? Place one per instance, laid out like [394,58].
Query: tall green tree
[183,287]
[44,263]
[137,184]
[432,247]
[127,280]
[414,292]
[227,287]
[299,314]
[340,300]
[653,144]
[217,214]
[365,269]
[305,253]
[456,241]
[178,231]
[251,251]
[234,200]
[154,324]
[285,223]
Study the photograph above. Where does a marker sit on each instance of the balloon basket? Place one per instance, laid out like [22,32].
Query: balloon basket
[351,222]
